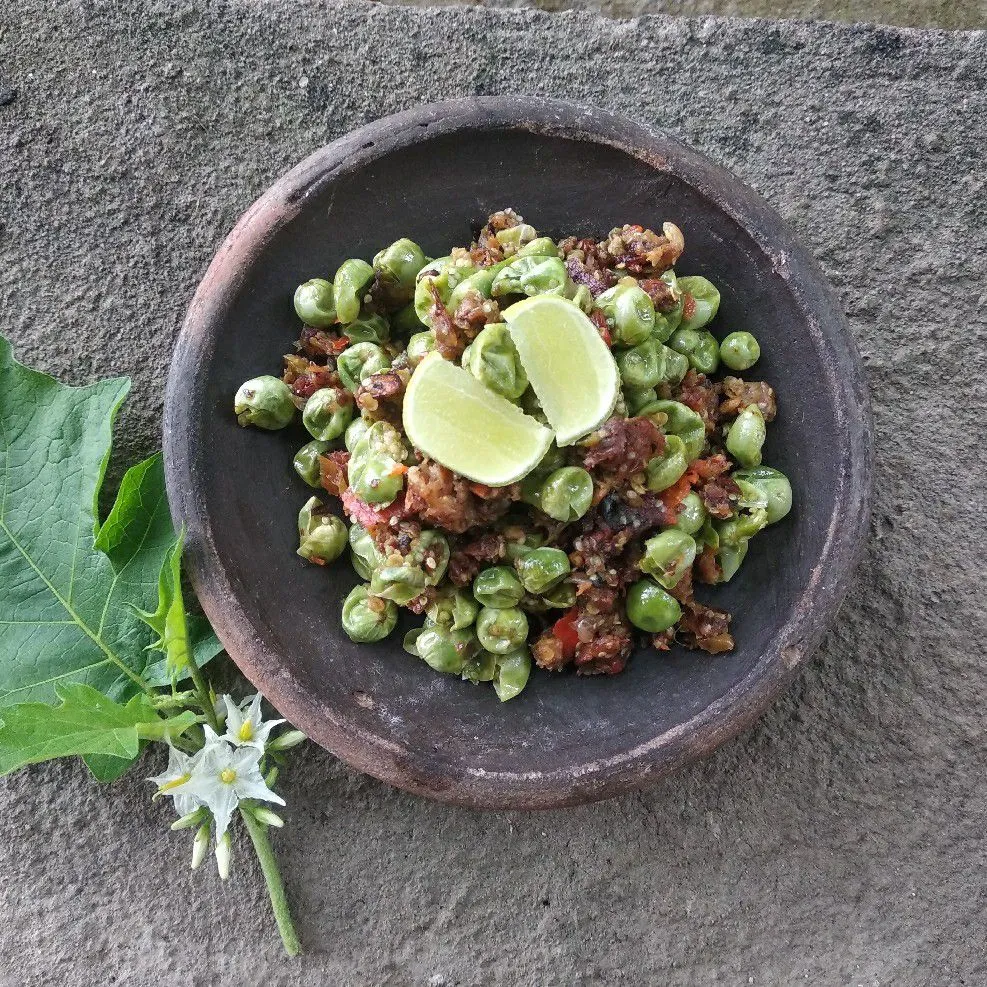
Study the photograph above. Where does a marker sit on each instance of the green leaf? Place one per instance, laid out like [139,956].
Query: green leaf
[136,515]
[86,722]
[106,767]
[168,621]
[68,585]
[133,536]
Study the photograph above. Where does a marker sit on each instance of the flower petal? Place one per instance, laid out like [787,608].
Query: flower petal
[245,759]
[212,738]
[223,803]
[234,720]
[253,708]
[256,788]
[178,764]
[262,732]
[185,802]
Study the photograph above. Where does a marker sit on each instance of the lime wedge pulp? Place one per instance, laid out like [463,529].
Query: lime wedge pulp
[570,368]
[454,419]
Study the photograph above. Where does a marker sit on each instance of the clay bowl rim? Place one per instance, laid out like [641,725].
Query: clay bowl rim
[795,639]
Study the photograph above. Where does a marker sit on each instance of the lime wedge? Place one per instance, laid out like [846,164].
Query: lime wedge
[570,368]
[452,418]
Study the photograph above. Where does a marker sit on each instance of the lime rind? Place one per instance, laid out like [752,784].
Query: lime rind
[570,368]
[454,419]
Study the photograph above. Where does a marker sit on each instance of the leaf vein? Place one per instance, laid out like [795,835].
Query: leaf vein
[55,678]
[126,669]
[6,467]
[31,623]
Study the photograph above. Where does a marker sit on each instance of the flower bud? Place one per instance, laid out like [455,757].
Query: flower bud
[287,740]
[200,844]
[266,816]
[190,820]
[223,853]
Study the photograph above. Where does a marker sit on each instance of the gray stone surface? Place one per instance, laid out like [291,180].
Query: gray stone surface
[842,840]
[950,14]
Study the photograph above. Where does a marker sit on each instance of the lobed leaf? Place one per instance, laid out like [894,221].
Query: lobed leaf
[68,585]
[85,722]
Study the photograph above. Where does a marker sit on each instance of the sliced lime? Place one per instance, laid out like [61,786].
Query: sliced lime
[568,365]
[452,418]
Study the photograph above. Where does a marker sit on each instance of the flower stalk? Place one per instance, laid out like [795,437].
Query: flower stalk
[272,877]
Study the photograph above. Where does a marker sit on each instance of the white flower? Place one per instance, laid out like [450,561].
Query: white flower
[174,780]
[223,775]
[244,725]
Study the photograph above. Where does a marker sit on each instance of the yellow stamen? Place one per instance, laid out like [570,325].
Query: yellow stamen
[246,731]
[174,783]
[227,776]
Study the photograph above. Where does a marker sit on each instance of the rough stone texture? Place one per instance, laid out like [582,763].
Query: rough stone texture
[841,841]
[949,14]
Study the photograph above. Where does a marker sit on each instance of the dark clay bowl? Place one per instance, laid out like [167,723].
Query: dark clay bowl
[434,174]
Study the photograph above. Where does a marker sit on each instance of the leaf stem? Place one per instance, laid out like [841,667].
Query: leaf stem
[203,691]
[275,886]
[139,681]
[183,746]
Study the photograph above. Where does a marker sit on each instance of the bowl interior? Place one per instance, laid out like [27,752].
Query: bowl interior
[422,726]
